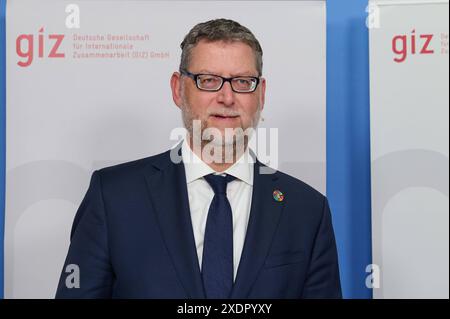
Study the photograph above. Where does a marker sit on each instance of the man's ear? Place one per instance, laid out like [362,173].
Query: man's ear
[263,93]
[175,85]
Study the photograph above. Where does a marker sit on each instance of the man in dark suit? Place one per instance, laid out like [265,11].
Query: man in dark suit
[205,219]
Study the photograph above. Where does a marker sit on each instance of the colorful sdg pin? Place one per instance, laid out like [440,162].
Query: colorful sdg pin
[278,195]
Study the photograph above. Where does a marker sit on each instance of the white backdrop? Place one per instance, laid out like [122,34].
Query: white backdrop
[409,76]
[68,116]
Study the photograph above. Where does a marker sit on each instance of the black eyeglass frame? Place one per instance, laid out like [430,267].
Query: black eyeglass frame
[224,79]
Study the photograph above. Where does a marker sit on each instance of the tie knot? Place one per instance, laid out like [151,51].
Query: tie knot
[218,182]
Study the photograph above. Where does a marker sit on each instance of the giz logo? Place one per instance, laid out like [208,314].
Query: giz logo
[402,45]
[28,53]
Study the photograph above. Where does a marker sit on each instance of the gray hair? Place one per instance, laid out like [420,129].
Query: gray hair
[220,30]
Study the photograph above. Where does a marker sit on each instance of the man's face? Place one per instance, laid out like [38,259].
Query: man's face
[225,108]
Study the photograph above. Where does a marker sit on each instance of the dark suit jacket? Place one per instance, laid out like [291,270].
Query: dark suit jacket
[132,238]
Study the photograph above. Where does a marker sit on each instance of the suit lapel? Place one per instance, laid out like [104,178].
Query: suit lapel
[265,213]
[168,192]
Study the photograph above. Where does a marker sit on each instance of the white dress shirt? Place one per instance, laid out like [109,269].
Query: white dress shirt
[239,193]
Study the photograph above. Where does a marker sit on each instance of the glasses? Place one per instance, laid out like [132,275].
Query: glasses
[213,83]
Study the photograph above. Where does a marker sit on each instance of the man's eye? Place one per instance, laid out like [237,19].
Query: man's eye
[244,82]
[208,80]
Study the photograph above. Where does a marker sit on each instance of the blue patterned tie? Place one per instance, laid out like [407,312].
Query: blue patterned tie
[217,261]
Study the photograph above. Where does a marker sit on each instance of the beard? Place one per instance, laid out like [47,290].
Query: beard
[199,129]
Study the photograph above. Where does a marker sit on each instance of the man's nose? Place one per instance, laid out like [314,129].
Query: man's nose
[226,94]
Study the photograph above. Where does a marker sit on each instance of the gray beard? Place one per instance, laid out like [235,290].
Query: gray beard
[188,121]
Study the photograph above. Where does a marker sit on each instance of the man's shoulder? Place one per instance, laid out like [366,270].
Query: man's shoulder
[136,167]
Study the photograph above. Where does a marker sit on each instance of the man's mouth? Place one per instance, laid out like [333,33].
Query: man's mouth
[224,117]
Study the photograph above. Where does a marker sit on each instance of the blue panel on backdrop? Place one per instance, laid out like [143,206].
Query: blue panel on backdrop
[2,135]
[348,140]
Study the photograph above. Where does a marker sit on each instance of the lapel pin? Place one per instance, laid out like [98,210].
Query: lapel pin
[278,195]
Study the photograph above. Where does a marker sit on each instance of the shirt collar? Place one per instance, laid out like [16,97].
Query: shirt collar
[195,168]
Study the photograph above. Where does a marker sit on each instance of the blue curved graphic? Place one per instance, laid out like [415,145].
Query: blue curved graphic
[348,141]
